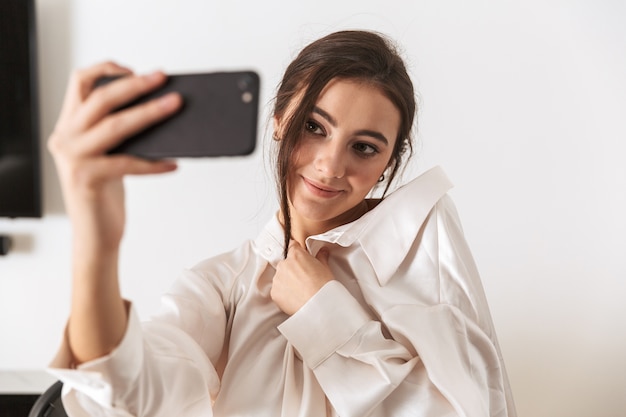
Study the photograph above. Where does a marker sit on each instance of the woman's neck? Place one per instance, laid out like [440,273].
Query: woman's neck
[302,228]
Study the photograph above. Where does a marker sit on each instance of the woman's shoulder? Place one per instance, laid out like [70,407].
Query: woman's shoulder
[408,207]
[229,263]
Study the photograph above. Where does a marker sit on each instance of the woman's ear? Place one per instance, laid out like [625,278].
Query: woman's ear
[392,161]
[277,135]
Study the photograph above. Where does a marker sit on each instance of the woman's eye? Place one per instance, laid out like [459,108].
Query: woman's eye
[313,127]
[365,149]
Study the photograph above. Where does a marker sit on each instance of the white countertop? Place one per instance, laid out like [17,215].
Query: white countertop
[24,381]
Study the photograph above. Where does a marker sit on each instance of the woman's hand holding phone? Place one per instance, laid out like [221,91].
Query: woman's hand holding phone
[92,184]
[86,129]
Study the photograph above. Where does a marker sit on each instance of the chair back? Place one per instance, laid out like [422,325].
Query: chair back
[49,403]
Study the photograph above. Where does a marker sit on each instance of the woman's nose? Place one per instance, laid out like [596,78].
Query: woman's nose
[330,160]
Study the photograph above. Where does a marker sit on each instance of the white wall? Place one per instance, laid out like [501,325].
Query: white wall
[523,103]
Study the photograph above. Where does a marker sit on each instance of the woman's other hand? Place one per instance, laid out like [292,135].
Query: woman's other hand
[299,277]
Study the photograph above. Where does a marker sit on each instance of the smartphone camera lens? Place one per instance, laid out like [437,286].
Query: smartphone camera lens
[247,97]
[244,83]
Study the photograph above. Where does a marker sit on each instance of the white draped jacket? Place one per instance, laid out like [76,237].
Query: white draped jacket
[403,330]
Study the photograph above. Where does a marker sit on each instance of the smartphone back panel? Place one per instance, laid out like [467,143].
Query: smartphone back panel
[219,118]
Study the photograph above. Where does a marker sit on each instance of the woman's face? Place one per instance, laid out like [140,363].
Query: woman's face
[348,142]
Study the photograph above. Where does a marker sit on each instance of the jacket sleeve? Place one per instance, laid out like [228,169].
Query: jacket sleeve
[162,367]
[407,358]
[359,369]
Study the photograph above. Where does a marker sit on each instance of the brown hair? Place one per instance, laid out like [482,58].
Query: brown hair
[366,56]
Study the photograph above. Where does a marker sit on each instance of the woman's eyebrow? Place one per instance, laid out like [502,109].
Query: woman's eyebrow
[325,115]
[365,132]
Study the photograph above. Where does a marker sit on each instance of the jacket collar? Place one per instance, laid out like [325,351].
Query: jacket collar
[385,233]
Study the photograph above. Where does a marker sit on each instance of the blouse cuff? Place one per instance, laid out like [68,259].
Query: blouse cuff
[325,323]
[95,378]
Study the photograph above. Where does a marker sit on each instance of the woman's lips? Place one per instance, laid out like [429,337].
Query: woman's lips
[320,189]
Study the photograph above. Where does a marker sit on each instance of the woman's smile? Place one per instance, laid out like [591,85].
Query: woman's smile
[321,190]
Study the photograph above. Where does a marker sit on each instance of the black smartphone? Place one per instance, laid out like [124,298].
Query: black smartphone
[218,118]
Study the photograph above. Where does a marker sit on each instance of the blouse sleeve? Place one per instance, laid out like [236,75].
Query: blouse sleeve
[162,367]
[409,358]
[354,363]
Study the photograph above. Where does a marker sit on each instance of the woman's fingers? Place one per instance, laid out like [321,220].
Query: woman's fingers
[86,119]
[91,175]
[87,130]
[106,98]
[81,84]
[83,80]
[120,165]
[114,128]
[299,277]
[86,105]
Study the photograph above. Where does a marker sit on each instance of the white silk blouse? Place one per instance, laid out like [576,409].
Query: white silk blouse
[403,330]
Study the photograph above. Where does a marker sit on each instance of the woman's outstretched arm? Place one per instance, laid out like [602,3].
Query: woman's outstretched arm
[93,192]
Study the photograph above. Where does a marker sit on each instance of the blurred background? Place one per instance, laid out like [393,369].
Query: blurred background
[522,103]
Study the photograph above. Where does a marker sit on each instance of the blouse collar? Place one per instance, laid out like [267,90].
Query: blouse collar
[394,222]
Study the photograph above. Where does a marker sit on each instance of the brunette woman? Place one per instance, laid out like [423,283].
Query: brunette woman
[344,305]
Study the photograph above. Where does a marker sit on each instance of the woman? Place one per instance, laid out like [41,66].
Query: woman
[343,306]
